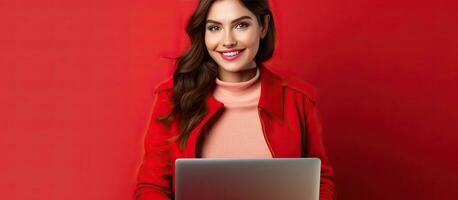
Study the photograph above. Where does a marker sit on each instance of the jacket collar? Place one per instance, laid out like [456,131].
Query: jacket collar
[271,100]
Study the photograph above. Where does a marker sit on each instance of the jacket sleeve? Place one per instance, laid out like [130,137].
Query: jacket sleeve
[154,176]
[316,149]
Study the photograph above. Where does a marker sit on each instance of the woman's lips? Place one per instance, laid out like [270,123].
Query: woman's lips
[229,56]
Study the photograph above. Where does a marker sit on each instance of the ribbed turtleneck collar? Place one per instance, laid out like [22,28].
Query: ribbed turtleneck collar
[239,94]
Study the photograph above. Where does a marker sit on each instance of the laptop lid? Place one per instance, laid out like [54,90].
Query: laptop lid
[247,179]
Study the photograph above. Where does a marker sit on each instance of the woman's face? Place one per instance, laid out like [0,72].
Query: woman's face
[232,36]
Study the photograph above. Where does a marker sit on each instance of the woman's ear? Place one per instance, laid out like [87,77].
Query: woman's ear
[265,26]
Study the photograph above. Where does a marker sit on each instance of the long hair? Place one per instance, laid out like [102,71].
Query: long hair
[195,71]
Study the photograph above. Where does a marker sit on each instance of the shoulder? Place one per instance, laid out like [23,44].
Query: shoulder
[164,86]
[292,87]
[164,89]
[301,87]
[162,97]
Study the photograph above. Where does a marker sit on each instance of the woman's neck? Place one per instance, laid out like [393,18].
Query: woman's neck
[239,76]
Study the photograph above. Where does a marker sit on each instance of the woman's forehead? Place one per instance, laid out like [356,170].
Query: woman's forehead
[225,11]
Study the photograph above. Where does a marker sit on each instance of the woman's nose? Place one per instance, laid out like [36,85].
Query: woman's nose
[229,41]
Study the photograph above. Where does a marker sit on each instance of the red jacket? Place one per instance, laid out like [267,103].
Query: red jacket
[290,122]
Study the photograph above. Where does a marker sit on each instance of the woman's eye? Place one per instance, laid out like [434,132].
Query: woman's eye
[213,28]
[242,25]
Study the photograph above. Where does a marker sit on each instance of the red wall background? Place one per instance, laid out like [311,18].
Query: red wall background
[76,80]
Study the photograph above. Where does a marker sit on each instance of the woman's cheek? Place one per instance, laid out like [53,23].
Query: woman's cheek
[251,39]
[211,42]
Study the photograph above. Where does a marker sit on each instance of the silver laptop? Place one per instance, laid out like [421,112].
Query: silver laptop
[247,179]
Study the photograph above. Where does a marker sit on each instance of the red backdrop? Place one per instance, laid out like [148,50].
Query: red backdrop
[76,80]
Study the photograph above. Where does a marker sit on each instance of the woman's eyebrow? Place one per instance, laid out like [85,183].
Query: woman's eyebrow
[233,21]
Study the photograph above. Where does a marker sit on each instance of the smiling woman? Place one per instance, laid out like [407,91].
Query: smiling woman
[232,39]
[224,103]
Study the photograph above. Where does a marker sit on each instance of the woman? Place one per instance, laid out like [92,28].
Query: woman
[222,102]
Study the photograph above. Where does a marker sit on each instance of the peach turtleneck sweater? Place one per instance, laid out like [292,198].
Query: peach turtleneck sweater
[238,132]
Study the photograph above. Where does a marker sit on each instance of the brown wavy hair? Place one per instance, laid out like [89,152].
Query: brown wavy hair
[195,71]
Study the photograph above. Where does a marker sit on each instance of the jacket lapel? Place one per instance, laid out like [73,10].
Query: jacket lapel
[272,95]
[213,107]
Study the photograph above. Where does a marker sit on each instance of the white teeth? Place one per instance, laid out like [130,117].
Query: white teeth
[231,53]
